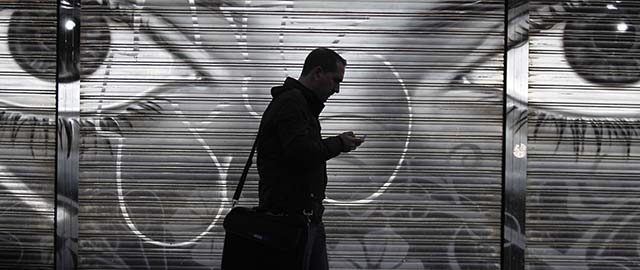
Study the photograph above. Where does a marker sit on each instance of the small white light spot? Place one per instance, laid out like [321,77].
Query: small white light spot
[520,151]
[622,27]
[611,6]
[69,25]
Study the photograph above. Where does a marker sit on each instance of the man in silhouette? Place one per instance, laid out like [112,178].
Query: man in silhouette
[292,155]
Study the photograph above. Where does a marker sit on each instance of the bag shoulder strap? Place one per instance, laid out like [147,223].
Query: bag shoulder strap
[245,172]
[236,195]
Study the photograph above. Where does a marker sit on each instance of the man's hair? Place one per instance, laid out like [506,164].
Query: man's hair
[325,58]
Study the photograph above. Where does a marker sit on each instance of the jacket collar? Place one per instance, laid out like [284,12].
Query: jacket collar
[315,104]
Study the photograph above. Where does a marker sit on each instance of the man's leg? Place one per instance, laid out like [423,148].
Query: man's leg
[318,259]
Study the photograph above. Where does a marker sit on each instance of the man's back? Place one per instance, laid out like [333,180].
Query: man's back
[291,152]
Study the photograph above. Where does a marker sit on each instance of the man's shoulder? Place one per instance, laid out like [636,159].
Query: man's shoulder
[292,96]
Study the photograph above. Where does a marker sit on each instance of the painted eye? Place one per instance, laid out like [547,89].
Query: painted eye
[24,38]
[605,48]
[585,63]
[116,42]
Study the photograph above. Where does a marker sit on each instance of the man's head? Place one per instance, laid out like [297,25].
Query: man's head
[323,72]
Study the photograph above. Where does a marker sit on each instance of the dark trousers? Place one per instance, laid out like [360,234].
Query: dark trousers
[315,256]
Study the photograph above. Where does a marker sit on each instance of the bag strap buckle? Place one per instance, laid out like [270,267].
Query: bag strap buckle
[307,213]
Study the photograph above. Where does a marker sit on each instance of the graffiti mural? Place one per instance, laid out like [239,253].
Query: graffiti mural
[585,89]
[171,93]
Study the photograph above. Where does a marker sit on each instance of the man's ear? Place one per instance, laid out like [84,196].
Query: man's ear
[316,72]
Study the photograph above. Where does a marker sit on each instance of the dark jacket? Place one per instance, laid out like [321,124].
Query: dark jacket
[292,155]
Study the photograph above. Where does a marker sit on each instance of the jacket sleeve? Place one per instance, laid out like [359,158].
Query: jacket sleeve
[300,146]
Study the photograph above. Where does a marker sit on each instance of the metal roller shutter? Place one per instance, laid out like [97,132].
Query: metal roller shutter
[171,96]
[27,128]
[583,188]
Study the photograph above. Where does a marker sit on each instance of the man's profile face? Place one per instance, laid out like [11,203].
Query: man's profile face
[328,82]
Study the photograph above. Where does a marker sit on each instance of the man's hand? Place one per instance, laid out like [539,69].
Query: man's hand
[349,141]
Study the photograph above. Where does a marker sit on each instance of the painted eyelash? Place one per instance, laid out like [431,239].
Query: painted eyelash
[604,130]
[145,109]
[14,122]
[579,129]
